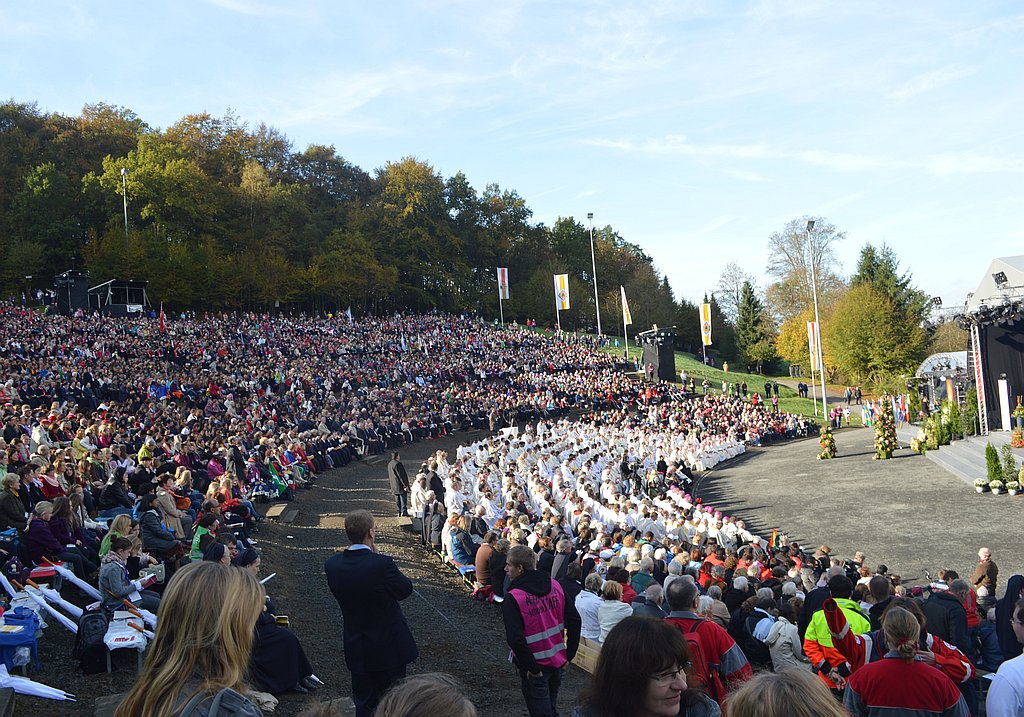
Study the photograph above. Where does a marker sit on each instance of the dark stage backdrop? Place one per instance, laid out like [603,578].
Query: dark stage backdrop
[1004,353]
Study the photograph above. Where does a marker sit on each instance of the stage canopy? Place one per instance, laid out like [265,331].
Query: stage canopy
[947,363]
[1003,283]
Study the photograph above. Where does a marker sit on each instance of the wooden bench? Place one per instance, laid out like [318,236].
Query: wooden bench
[587,654]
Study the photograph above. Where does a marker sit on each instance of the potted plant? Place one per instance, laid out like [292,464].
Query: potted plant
[1018,414]
[981,485]
[1012,487]
[996,487]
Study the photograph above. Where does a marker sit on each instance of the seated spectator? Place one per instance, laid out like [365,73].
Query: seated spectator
[115,584]
[649,604]
[62,524]
[431,694]
[120,527]
[612,609]
[463,548]
[12,509]
[642,670]
[200,654]
[41,544]
[205,533]
[588,603]
[115,498]
[278,663]
[1006,693]
[156,539]
[902,685]
[784,641]
[790,692]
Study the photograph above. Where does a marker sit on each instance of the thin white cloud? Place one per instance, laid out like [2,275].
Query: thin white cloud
[939,164]
[929,81]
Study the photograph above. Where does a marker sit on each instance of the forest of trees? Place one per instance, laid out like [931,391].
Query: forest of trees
[222,215]
[225,216]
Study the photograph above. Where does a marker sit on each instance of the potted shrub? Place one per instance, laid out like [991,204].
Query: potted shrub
[1012,487]
[996,487]
[981,485]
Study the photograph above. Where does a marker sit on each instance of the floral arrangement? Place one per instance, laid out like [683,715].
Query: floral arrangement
[827,443]
[885,430]
[919,443]
[1017,438]
[1018,412]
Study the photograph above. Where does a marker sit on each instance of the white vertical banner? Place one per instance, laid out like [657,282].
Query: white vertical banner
[705,323]
[813,339]
[503,292]
[627,318]
[562,292]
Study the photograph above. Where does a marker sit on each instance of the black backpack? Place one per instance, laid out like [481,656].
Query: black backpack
[89,650]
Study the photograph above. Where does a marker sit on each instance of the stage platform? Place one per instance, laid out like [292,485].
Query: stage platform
[966,458]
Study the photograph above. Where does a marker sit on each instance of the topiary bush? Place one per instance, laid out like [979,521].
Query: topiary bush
[994,469]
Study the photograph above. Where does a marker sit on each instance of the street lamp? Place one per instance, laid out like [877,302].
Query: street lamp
[817,321]
[124,188]
[593,265]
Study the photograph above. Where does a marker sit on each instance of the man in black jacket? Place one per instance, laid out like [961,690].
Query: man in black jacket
[399,481]
[535,611]
[368,587]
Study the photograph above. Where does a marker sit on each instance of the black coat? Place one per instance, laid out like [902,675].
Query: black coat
[398,478]
[368,587]
[1008,644]
[947,618]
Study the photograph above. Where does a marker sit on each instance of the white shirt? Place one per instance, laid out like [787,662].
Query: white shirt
[1006,693]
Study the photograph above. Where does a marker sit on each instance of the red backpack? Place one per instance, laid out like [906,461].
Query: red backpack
[705,668]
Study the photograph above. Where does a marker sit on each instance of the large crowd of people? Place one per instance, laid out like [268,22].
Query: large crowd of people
[131,449]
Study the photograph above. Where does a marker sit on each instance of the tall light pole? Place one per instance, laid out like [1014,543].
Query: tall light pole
[593,265]
[124,190]
[817,321]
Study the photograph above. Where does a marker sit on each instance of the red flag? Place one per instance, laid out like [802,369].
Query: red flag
[163,326]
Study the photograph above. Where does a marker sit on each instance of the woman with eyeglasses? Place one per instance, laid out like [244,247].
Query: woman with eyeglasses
[642,672]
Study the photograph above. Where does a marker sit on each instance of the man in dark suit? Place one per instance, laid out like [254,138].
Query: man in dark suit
[399,480]
[368,587]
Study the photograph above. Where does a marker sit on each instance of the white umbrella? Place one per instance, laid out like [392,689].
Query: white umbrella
[54,597]
[7,585]
[61,618]
[75,580]
[25,686]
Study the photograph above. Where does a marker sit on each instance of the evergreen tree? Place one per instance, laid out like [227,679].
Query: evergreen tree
[752,337]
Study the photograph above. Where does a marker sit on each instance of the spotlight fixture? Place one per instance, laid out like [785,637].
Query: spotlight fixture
[1000,277]
[937,300]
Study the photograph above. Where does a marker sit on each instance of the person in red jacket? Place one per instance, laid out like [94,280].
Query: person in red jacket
[729,666]
[860,650]
[899,684]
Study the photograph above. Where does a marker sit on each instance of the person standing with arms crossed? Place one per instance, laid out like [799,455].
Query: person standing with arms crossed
[399,480]
[368,587]
[538,619]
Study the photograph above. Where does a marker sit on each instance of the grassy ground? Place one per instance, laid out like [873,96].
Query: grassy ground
[789,401]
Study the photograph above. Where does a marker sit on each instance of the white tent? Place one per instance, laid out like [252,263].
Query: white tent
[991,293]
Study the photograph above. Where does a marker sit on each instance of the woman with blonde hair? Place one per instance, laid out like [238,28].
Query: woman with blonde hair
[612,610]
[432,694]
[120,527]
[901,685]
[790,692]
[196,664]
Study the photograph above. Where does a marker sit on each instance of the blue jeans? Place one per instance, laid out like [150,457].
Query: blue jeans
[400,503]
[541,693]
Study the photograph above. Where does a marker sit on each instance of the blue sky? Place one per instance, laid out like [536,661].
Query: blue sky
[694,128]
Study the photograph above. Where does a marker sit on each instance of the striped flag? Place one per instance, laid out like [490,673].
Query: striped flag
[627,318]
[163,323]
[562,291]
[503,283]
[705,324]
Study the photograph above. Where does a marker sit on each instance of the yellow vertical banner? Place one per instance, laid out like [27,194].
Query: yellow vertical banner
[627,318]
[562,292]
[705,324]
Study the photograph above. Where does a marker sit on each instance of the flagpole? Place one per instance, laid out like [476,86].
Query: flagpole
[501,309]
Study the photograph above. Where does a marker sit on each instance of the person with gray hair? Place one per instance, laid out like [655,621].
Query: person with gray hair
[649,603]
[718,647]
[587,604]
[719,612]
[645,576]
[675,571]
